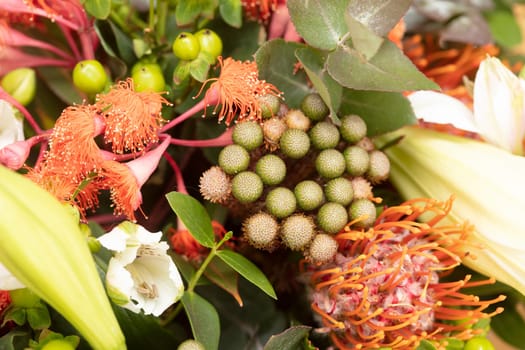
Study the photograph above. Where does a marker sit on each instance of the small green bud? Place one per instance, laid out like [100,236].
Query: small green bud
[330,163]
[322,249]
[281,202]
[295,119]
[352,128]
[324,135]
[314,107]
[309,195]
[339,190]
[234,159]
[270,105]
[297,231]
[379,168]
[248,134]
[271,169]
[294,143]
[364,209]
[261,231]
[247,187]
[20,83]
[357,160]
[332,217]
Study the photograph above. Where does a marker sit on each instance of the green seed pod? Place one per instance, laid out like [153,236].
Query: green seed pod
[247,187]
[215,186]
[297,231]
[357,160]
[322,249]
[295,119]
[271,169]
[281,202]
[314,107]
[309,195]
[270,105]
[294,143]
[339,190]
[330,163]
[352,128]
[379,167]
[234,159]
[273,129]
[365,209]
[248,134]
[324,135]
[332,217]
[261,230]
[190,344]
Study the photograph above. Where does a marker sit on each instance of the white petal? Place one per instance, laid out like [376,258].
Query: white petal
[120,285]
[436,107]
[8,281]
[114,240]
[11,127]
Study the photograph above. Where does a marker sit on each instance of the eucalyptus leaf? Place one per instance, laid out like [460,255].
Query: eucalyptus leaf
[380,16]
[314,62]
[320,25]
[363,38]
[382,111]
[99,9]
[277,62]
[194,216]
[188,11]
[388,70]
[231,12]
[290,339]
[204,320]
[248,270]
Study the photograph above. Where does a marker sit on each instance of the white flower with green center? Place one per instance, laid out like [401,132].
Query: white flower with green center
[141,275]
[11,127]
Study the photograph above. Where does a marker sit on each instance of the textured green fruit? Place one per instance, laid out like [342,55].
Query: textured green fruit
[379,168]
[248,134]
[365,210]
[247,187]
[330,163]
[295,119]
[324,135]
[20,83]
[89,76]
[339,190]
[261,230]
[314,107]
[357,160]
[281,202]
[294,143]
[234,159]
[309,195]
[322,249]
[297,231]
[270,105]
[332,217]
[271,169]
[352,128]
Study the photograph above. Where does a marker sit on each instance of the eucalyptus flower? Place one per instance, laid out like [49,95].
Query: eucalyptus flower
[487,183]
[141,275]
[11,127]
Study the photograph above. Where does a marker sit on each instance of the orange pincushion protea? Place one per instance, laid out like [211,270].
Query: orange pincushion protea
[237,90]
[259,10]
[384,288]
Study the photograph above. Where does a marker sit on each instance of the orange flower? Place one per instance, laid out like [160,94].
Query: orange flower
[384,288]
[259,10]
[184,244]
[237,90]
[133,119]
[5,300]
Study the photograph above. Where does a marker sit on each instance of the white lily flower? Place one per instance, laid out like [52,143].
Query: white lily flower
[7,280]
[11,127]
[141,275]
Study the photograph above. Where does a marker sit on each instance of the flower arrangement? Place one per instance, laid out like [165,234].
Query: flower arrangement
[273,174]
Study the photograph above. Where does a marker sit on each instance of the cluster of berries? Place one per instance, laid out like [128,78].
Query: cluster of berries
[298,178]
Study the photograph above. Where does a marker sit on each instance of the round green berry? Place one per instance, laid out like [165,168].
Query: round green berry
[297,231]
[209,42]
[322,249]
[362,209]
[248,134]
[314,107]
[324,135]
[339,190]
[247,187]
[379,168]
[20,83]
[478,343]
[261,231]
[357,160]
[281,202]
[309,195]
[270,105]
[332,217]
[89,76]
[330,163]
[295,119]
[58,344]
[148,77]
[234,159]
[294,143]
[352,128]
[186,46]
[190,344]
[271,169]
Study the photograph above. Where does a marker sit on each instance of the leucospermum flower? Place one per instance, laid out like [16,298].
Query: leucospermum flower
[259,10]
[141,275]
[385,288]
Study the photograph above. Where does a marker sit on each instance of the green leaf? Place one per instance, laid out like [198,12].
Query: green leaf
[194,216]
[276,62]
[16,314]
[98,8]
[425,345]
[38,317]
[188,11]
[509,325]
[204,320]
[363,39]
[313,62]
[388,70]
[231,12]
[290,339]
[200,66]
[248,270]
[223,276]
[454,344]
[15,339]
[124,45]
[504,27]
[319,25]
[380,16]
[382,111]
[60,83]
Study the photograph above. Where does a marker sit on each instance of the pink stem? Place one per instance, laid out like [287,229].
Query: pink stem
[4,95]
[181,187]
[71,41]
[87,44]
[223,140]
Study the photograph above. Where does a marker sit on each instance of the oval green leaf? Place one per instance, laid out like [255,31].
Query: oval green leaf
[380,16]
[204,320]
[248,270]
[231,12]
[223,276]
[98,8]
[192,213]
[290,339]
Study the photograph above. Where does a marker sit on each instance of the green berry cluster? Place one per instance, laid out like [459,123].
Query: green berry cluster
[299,177]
